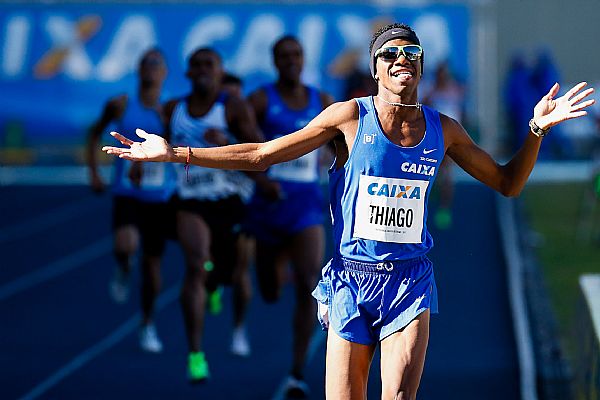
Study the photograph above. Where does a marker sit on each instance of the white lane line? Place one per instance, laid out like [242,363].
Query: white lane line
[512,254]
[590,287]
[102,346]
[316,341]
[55,175]
[45,221]
[59,267]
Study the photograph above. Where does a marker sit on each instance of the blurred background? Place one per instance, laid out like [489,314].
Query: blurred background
[60,61]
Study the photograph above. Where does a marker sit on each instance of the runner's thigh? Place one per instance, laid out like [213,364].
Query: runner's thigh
[193,235]
[403,358]
[347,368]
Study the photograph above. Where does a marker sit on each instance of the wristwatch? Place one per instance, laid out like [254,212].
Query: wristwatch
[537,131]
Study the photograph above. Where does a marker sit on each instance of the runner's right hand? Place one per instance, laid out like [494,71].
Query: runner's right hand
[153,148]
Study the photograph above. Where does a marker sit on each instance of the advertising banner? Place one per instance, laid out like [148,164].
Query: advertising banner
[59,64]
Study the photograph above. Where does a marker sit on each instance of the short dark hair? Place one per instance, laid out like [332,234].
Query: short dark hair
[209,50]
[281,40]
[149,52]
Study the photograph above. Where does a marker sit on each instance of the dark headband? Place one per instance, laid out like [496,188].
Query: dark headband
[390,34]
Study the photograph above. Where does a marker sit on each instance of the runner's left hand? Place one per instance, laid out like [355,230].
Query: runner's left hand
[550,111]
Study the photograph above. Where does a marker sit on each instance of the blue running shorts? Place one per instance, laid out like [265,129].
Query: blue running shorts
[366,302]
[274,221]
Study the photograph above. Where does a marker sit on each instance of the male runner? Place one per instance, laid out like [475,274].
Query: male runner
[208,204]
[288,224]
[379,287]
[139,191]
[447,96]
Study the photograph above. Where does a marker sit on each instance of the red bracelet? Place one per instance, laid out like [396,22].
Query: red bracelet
[187,163]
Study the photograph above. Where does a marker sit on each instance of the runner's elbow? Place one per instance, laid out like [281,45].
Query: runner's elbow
[260,161]
[511,190]
[266,156]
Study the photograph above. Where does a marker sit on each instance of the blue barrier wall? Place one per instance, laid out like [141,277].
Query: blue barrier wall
[60,63]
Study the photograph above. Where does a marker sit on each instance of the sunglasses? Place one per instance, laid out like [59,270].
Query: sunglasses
[411,52]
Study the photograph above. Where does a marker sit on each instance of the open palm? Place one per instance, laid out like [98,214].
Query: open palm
[550,111]
[153,148]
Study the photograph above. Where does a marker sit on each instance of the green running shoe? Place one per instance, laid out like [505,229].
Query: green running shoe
[214,301]
[197,367]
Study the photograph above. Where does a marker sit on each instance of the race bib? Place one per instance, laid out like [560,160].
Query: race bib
[153,175]
[198,182]
[303,169]
[390,209]
[204,184]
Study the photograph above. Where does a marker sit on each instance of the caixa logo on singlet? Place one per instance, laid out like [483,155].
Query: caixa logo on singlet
[393,190]
[420,169]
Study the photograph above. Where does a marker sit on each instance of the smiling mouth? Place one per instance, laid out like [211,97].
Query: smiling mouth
[402,74]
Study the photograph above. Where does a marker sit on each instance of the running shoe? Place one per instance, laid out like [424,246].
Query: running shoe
[296,388]
[119,287]
[214,301]
[239,343]
[149,340]
[197,367]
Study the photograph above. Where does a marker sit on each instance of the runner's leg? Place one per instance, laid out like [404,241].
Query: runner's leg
[242,287]
[194,236]
[126,242]
[403,359]
[346,368]
[151,284]
[306,251]
[271,263]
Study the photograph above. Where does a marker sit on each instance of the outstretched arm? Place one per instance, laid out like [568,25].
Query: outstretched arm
[245,156]
[510,179]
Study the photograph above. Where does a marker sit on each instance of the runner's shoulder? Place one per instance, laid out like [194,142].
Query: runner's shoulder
[339,113]
[115,106]
[169,107]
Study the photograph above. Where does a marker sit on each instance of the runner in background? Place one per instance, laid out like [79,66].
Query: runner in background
[139,190]
[208,202]
[287,222]
[233,85]
[448,97]
[240,345]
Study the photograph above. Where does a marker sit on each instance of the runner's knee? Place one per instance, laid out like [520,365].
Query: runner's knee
[401,394]
[196,270]
[405,395]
